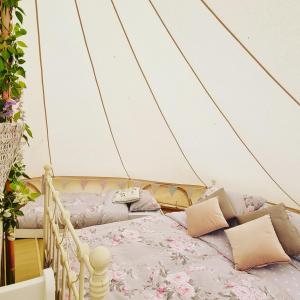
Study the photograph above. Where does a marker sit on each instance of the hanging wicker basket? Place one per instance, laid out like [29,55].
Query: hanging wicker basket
[10,138]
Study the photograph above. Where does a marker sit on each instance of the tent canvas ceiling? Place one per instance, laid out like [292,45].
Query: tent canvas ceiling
[172,91]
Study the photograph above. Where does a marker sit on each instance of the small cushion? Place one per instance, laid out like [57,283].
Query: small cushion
[287,233]
[127,196]
[224,202]
[205,217]
[179,217]
[244,203]
[147,202]
[255,244]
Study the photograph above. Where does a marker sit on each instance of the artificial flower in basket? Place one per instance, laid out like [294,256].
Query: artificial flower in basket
[13,129]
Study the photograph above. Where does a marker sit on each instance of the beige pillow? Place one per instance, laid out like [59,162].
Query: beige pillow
[287,233]
[224,202]
[255,244]
[204,217]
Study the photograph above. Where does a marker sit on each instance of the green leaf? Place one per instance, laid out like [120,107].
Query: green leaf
[17,116]
[11,50]
[22,84]
[27,129]
[1,65]
[5,54]
[35,195]
[21,32]
[20,9]
[26,139]
[21,72]
[13,186]
[19,16]
[20,52]
[21,44]
[15,92]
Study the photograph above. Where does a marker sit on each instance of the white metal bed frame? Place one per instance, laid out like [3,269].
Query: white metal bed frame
[57,230]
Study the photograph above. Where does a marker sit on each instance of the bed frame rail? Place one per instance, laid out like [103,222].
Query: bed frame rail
[57,230]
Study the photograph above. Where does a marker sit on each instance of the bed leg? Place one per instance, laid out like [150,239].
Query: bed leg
[99,284]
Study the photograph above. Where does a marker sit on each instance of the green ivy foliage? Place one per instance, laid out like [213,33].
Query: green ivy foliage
[12,47]
[16,194]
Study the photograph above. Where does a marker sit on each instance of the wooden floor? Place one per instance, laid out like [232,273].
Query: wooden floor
[29,258]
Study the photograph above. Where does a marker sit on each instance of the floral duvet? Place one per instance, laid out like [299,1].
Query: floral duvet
[86,209]
[154,258]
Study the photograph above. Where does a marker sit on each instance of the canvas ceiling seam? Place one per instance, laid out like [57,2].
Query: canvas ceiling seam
[153,95]
[261,65]
[98,88]
[42,80]
[218,108]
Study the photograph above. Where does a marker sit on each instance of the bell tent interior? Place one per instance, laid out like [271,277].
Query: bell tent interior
[176,98]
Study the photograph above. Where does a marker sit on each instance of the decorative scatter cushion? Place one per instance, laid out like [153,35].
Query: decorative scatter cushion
[224,202]
[147,202]
[287,233]
[244,203]
[255,244]
[127,196]
[205,217]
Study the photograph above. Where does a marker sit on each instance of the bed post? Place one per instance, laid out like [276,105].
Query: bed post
[99,284]
[46,190]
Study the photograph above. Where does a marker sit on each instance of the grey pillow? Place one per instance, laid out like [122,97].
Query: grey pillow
[243,203]
[147,202]
[240,202]
[295,220]
[179,217]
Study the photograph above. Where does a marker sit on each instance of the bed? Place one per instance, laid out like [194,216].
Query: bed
[151,258]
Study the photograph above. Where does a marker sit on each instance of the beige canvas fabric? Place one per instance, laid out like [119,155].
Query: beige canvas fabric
[255,244]
[205,217]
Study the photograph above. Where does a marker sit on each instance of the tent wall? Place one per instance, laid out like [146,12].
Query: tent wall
[270,30]
[160,90]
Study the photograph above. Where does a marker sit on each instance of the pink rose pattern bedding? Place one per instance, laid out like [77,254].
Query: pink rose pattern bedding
[154,258]
[86,209]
